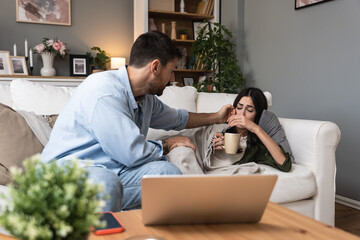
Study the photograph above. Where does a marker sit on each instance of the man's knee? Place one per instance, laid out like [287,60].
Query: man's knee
[163,168]
[113,189]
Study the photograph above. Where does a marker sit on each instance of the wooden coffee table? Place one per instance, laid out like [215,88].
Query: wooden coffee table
[277,223]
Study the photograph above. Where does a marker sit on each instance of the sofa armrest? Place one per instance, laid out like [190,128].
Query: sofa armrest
[313,144]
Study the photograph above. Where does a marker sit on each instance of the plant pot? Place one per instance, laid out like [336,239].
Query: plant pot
[96,69]
[48,60]
[183,36]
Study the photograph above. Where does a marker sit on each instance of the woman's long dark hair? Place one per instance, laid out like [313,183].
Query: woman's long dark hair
[260,104]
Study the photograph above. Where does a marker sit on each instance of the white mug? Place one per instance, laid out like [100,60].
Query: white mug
[232,143]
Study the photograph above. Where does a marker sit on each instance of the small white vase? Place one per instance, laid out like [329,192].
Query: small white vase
[48,60]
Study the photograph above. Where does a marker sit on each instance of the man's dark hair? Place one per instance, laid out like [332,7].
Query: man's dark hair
[153,45]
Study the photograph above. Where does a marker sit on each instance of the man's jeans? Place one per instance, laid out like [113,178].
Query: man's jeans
[125,190]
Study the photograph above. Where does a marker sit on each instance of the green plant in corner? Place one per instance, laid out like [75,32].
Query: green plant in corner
[47,201]
[100,60]
[215,52]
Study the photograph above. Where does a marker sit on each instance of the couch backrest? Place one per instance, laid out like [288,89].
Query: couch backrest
[5,95]
[46,99]
[42,99]
[188,98]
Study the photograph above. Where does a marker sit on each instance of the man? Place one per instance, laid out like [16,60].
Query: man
[108,117]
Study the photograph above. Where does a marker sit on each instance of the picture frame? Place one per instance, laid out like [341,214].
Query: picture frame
[45,12]
[5,66]
[197,26]
[79,65]
[188,81]
[18,65]
[307,3]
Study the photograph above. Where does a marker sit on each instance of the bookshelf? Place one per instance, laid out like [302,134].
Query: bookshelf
[185,20]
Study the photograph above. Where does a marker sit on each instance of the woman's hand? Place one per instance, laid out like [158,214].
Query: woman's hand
[241,122]
[218,143]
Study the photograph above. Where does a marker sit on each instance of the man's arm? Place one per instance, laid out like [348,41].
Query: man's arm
[202,119]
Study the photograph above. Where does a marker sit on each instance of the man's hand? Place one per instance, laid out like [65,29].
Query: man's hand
[203,119]
[225,112]
[172,142]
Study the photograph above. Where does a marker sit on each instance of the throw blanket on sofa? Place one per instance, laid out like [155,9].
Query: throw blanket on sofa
[190,162]
[38,125]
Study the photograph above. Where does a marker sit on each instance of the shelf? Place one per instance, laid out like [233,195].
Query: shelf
[60,81]
[179,15]
[189,71]
[188,41]
[40,77]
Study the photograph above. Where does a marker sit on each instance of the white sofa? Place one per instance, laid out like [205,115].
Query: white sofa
[309,188]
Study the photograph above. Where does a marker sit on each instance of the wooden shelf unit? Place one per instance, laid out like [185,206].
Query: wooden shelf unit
[185,20]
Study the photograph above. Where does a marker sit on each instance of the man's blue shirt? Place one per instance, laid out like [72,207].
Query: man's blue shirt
[103,122]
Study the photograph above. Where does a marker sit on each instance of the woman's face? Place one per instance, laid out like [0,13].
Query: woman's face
[246,108]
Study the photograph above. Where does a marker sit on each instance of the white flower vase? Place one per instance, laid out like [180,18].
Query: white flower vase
[48,60]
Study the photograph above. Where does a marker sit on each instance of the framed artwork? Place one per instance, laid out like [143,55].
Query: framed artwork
[188,81]
[197,26]
[44,11]
[307,3]
[79,65]
[5,66]
[18,65]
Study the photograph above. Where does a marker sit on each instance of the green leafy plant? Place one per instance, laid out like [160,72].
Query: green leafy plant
[47,201]
[214,51]
[183,31]
[101,58]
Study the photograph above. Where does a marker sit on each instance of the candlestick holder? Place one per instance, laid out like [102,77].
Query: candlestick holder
[31,70]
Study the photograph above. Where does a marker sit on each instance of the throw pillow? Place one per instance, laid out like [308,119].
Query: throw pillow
[271,125]
[180,97]
[42,99]
[17,141]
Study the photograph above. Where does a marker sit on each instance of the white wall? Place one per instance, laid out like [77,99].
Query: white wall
[309,59]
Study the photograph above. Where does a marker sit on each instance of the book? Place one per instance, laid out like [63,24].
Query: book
[199,7]
[205,6]
[211,8]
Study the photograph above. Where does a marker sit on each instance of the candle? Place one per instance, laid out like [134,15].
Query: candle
[26,48]
[31,58]
[15,49]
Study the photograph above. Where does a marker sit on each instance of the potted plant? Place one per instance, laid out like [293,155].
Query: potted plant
[98,63]
[47,201]
[183,34]
[214,51]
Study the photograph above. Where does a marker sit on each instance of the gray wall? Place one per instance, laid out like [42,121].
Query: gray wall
[107,24]
[232,16]
[309,59]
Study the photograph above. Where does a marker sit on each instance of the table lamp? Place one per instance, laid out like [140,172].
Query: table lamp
[117,62]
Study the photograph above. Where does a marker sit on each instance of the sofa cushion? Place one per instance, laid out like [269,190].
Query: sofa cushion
[180,97]
[42,99]
[5,95]
[17,141]
[298,184]
[212,102]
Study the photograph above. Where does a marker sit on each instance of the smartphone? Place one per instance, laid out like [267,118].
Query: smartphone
[112,224]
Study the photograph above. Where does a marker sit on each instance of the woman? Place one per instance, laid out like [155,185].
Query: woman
[262,140]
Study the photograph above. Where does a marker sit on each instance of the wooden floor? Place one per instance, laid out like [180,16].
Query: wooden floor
[347,219]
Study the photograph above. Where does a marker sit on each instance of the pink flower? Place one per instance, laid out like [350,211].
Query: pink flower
[39,48]
[57,45]
[63,50]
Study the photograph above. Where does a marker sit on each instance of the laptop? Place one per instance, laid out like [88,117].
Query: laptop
[200,199]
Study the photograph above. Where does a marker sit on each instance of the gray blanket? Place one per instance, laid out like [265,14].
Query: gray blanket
[190,162]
